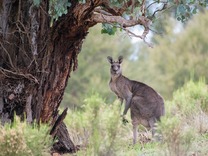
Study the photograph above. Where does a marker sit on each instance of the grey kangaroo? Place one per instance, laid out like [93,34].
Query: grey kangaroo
[146,105]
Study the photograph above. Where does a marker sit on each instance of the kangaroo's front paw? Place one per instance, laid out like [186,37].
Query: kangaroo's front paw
[124,120]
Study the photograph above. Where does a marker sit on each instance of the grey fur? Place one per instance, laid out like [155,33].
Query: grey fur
[146,105]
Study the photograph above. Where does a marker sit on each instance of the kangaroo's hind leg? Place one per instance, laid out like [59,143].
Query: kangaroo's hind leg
[152,122]
[135,124]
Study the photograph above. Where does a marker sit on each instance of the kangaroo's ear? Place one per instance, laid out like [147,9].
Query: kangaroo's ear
[120,59]
[110,59]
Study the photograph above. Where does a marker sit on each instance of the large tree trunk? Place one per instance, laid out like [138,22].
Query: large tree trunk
[36,61]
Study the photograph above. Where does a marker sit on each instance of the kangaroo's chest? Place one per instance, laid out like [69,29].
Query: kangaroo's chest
[114,88]
[120,89]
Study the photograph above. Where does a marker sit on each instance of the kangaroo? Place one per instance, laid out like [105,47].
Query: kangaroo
[146,105]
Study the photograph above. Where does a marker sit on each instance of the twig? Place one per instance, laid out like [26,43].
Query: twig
[154,31]
[143,36]
[27,76]
[143,9]
[163,8]
[10,60]
[154,3]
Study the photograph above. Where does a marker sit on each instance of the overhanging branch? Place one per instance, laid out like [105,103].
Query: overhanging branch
[101,18]
[123,23]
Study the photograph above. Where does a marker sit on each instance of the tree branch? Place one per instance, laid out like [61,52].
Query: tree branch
[124,23]
[143,9]
[143,36]
[101,18]
[115,10]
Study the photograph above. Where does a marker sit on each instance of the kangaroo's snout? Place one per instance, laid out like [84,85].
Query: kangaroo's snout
[115,68]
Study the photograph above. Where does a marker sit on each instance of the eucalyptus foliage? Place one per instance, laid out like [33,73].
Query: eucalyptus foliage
[183,9]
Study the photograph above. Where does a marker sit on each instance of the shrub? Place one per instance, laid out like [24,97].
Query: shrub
[185,119]
[98,127]
[12,142]
[37,139]
[192,97]
[22,139]
[176,137]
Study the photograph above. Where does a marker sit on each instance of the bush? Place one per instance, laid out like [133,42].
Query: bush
[98,128]
[22,139]
[12,142]
[192,97]
[185,119]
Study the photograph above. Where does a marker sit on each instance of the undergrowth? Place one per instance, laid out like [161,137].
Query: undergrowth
[22,139]
[186,121]
[98,129]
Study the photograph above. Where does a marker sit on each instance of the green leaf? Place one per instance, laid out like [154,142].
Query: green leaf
[181,9]
[188,8]
[179,18]
[82,1]
[190,1]
[183,18]
[194,11]
[57,8]
[36,2]
[108,29]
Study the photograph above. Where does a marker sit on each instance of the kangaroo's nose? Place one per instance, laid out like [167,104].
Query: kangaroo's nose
[115,68]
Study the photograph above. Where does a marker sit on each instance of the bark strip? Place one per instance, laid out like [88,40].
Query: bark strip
[29,109]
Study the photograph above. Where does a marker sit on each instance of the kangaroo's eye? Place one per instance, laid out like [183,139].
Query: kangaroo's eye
[115,66]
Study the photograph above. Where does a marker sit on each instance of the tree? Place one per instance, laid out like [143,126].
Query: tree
[39,52]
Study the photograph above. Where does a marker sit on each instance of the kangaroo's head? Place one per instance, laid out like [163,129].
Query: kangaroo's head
[115,65]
